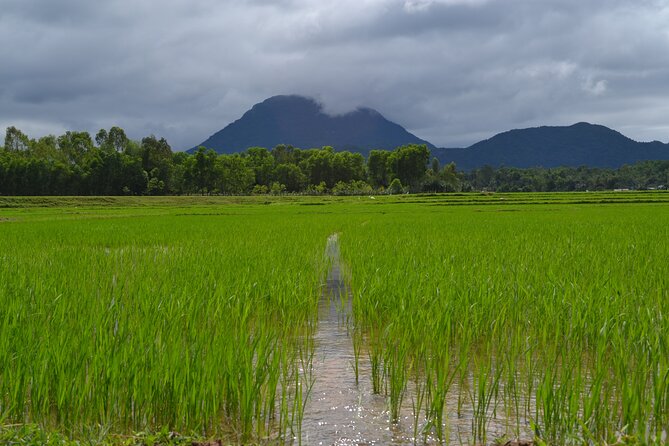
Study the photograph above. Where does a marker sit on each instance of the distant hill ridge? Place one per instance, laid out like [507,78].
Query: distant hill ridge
[301,122]
[581,144]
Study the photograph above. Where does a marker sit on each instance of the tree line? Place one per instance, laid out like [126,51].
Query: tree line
[643,175]
[110,163]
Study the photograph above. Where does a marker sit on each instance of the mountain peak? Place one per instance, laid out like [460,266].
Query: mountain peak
[302,122]
[289,100]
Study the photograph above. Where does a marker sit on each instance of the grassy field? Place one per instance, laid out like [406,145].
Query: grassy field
[124,319]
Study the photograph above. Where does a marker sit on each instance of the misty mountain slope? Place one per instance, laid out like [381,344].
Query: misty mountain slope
[301,122]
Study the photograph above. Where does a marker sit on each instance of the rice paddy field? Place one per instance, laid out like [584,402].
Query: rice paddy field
[451,319]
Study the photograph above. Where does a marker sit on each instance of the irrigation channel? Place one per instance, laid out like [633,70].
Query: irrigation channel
[340,411]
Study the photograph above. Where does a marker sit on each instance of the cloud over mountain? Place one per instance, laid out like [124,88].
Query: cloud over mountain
[302,122]
[452,71]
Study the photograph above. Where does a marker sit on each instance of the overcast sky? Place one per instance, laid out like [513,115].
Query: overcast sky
[451,71]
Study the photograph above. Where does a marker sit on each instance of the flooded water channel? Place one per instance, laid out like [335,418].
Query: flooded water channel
[340,411]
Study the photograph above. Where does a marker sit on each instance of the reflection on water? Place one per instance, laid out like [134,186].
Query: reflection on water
[341,412]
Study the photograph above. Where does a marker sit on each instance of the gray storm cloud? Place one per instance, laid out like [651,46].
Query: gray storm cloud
[451,71]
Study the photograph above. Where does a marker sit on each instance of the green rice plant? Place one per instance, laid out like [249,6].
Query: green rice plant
[356,339]
[417,401]
[556,314]
[438,373]
[485,387]
[396,369]
[136,322]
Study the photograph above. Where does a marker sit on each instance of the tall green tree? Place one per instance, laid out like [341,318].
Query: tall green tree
[409,163]
[46,148]
[348,166]
[75,145]
[290,176]
[16,140]
[118,139]
[261,161]
[156,155]
[233,174]
[199,173]
[318,166]
[284,154]
[378,168]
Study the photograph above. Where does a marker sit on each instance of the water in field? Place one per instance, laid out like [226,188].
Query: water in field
[340,411]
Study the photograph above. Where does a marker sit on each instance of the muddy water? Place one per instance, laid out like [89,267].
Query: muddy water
[341,412]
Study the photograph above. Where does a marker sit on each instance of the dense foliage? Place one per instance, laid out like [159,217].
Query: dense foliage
[111,164]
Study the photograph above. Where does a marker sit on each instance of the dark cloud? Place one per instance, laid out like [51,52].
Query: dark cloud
[452,71]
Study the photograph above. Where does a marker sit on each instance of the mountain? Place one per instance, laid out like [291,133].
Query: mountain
[580,144]
[301,122]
